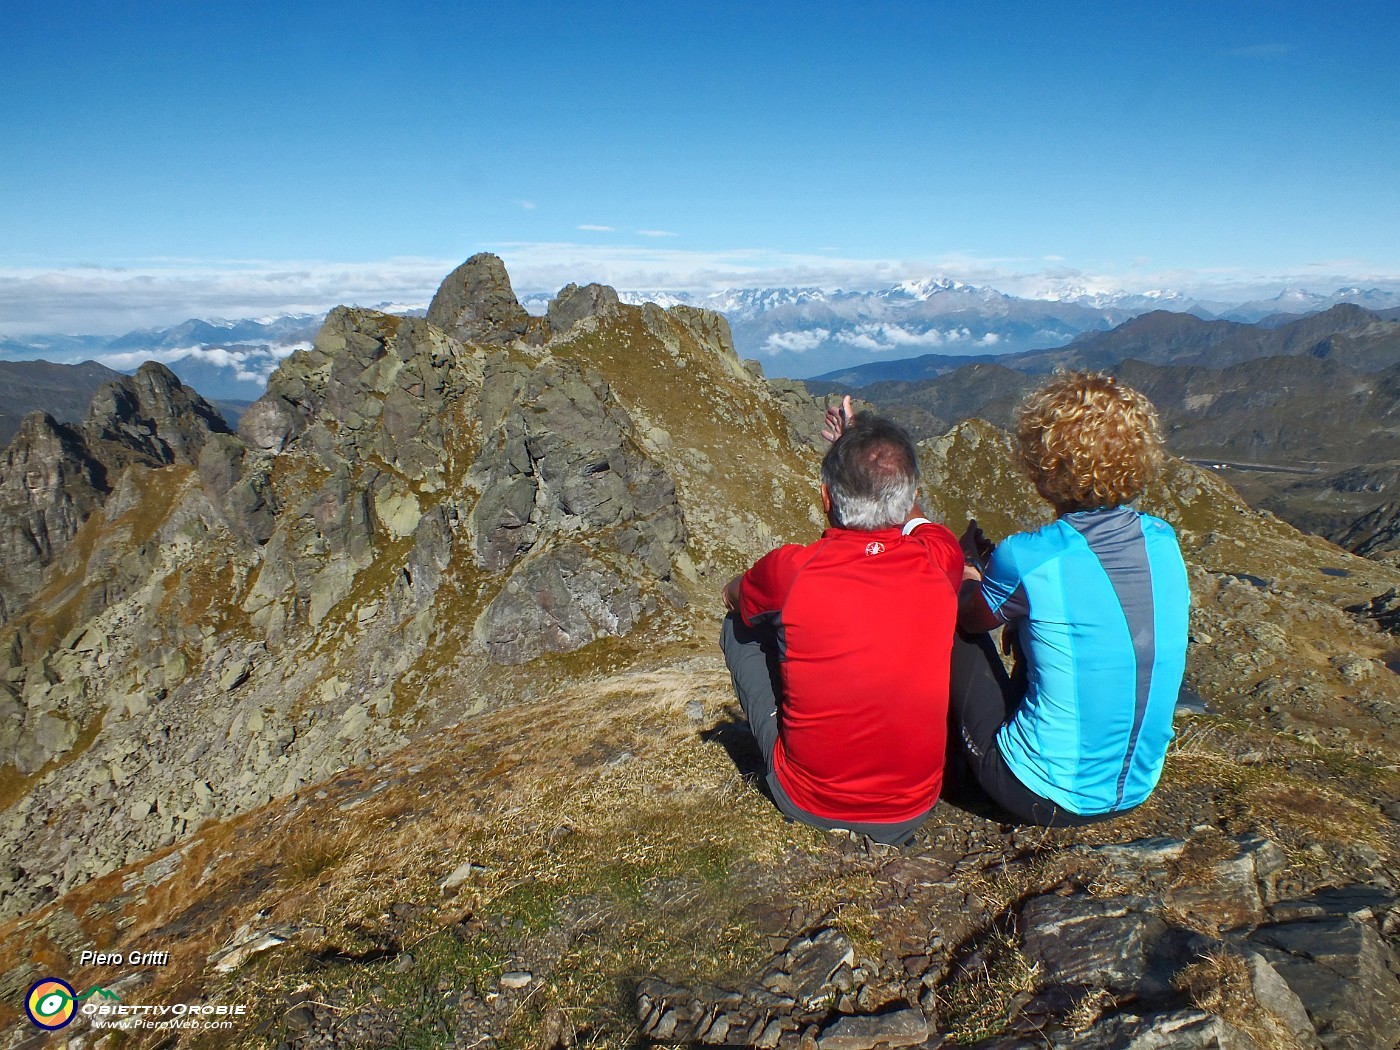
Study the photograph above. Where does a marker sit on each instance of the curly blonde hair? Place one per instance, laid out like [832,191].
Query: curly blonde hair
[1087,441]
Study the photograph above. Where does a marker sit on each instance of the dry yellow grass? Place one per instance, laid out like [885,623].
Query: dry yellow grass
[1219,982]
[602,796]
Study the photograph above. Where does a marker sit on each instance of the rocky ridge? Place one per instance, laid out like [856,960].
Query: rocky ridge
[64,391]
[219,619]
[1305,434]
[405,722]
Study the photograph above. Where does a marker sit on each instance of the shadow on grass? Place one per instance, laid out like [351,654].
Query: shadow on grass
[733,734]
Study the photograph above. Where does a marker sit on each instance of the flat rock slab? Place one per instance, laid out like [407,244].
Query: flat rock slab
[1094,942]
[903,1026]
[811,962]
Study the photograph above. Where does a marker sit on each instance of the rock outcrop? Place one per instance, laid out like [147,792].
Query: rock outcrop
[48,486]
[54,475]
[572,505]
[1179,954]
[476,304]
[573,304]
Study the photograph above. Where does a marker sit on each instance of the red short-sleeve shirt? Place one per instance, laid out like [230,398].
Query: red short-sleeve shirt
[865,628]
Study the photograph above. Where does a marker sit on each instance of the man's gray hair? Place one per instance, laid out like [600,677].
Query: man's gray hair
[872,475]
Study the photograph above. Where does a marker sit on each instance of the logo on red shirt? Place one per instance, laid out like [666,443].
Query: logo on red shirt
[875,547]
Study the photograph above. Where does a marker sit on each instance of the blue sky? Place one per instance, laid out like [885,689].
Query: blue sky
[169,159]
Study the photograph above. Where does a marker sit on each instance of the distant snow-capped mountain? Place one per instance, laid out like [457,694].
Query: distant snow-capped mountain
[793,331]
[807,332]
[804,331]
[269,331]
[1112,299]
[1295,301]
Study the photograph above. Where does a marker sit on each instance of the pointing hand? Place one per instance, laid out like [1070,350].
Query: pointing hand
[838,419]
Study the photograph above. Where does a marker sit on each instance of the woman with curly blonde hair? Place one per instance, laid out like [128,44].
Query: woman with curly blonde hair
[1098,603]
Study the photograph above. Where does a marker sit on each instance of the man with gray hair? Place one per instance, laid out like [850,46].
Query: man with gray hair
[839,649]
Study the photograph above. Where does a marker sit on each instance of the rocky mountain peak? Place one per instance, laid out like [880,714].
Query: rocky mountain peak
[54,476]
[476,304]
[403,514]
[150,417]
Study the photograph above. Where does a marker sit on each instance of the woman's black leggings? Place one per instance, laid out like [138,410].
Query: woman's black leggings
[981,699]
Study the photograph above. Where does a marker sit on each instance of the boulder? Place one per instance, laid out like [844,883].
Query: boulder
[1183,1029]
[1112,943]
[270,423]
[1344,975]
[45,737]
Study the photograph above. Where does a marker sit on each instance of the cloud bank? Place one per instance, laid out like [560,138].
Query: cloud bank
[884,336]
[111,300]
[249,366]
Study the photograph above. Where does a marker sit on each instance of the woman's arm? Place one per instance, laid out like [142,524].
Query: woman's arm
[974,616]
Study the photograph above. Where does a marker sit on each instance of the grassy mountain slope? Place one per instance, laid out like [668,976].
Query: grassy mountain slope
[398,718]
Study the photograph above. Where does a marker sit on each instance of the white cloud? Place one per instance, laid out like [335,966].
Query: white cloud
[1272,50]
[657,233]
[796,342]
[596,229]
[249,366]
[863,341]
[168,291]
[885,336]
[527,205]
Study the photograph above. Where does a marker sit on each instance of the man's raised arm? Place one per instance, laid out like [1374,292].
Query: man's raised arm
[974,615]
[838,418]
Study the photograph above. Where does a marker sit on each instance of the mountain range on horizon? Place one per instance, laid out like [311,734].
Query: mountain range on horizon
[796,332]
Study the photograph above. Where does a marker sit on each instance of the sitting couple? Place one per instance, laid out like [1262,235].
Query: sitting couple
[857,656]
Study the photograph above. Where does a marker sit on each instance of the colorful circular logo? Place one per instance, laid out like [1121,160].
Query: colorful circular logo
[51,1003]
[874,547]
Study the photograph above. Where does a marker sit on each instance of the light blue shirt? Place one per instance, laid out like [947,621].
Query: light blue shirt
[1101,601]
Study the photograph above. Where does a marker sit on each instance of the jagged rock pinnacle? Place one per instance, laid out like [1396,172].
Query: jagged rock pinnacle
[476,303]
[151,417]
